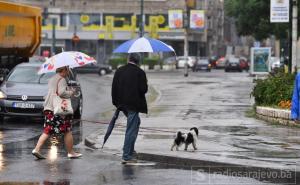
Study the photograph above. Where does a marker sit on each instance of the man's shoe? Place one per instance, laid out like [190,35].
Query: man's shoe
[131,161]
[135,155]
[37,155]
[74,156]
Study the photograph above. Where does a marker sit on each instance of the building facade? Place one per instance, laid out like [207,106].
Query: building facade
[96,27]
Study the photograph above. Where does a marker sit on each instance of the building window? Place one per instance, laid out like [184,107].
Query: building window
[120,20]
[61,20]
[85,19]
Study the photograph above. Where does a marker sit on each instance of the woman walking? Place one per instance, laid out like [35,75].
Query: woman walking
[57,124]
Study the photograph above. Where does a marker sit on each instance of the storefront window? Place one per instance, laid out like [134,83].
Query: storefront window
[162,20]
[120,20]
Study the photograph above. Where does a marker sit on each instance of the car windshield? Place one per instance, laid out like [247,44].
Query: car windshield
[182,58]
[234,60]
[203,61]
[28,74]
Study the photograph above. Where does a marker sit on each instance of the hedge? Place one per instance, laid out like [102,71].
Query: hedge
[273,90]
[115,62]
[151,62]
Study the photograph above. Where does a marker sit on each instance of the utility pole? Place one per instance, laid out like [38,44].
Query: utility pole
[142,19]
[53,37]
[186,41]
[295,64]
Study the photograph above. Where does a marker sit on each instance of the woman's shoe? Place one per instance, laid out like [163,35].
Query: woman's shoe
[37,154]
[74,156]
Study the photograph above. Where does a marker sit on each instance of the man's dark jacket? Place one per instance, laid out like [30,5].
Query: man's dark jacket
[129,88]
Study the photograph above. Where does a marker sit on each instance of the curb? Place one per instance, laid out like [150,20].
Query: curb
[89,143]
[234,170]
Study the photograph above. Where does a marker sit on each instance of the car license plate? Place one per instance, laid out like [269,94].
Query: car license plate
[234,65]
[23,105]
[203,67]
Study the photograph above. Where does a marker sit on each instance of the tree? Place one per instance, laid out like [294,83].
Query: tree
[253,18]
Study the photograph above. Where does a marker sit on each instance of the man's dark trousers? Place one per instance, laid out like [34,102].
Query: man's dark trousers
[133,125]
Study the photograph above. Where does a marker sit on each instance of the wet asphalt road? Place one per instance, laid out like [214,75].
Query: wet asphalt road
[18,137]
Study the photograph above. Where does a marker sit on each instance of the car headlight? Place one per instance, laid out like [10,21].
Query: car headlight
[2,95]
[110,68]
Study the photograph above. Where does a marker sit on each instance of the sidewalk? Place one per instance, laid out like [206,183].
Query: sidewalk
[227,138]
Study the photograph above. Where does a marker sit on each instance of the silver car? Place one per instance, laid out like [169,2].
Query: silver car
[23,90]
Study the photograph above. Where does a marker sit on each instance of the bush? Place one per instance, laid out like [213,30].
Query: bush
[151,62]
[274,89]
[114,62]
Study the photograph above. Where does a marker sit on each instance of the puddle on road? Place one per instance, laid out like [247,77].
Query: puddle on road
[157,136]
[63,182]
[195,82]
[225,129]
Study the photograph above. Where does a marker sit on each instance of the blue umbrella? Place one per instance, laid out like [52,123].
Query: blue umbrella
[143,44]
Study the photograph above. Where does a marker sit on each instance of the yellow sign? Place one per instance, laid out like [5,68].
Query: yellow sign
[109,22]
[84,19]
[153,26]
[161,19]
[133,26]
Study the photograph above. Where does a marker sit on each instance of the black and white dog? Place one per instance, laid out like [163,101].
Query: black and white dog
[189,138]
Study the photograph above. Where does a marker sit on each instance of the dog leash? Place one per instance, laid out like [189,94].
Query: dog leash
[119,125]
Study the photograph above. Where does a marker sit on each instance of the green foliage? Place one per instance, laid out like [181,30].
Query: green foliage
[114,62]
[151,62]
[253,18]
[272,90]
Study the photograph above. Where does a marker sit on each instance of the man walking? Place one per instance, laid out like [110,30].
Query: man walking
[128,95]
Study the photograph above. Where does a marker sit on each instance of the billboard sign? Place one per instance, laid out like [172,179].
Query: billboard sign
[279,11]
[197,19]
[175,19]
[260,60]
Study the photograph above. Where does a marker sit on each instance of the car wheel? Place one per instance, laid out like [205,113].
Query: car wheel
[78,112]
[226,70]
[1,119]
[102,72]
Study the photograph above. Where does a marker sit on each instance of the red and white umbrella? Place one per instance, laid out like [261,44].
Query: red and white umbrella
[68,58]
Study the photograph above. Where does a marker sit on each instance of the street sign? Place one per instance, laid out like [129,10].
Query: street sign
[75,39]
[279,11]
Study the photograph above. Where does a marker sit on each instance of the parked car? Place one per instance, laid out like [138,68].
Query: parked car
[233,64]
[23,90]
[275,63]
[170,61]
[101,69]
[191,60]
[202,64]
[244,63]
[213,61]
[220,63]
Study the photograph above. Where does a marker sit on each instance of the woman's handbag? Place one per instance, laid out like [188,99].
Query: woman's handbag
[62,106]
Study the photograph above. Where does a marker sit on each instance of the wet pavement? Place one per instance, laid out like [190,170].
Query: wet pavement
[19,136]
[215,103]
